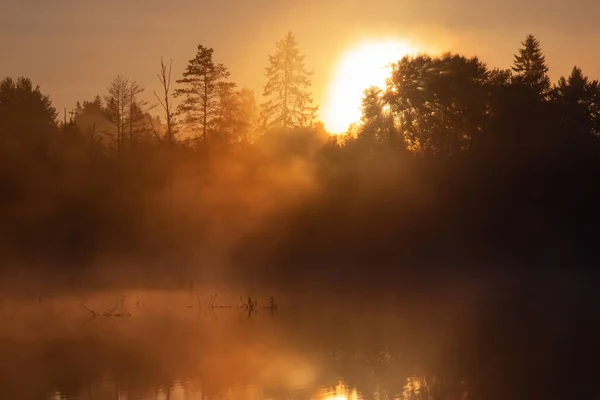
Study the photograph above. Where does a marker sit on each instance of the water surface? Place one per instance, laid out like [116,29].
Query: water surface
[194,344]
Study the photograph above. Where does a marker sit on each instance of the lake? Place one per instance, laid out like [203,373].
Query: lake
[222,343]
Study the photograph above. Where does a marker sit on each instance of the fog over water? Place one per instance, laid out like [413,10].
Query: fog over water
[189,341]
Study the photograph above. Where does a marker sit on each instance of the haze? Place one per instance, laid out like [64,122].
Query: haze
[317,200]
[73,48]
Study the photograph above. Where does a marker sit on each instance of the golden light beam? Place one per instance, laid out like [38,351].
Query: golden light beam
[363,65]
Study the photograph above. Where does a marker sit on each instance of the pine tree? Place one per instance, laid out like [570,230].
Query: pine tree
[27,117]
[579,100]
[530,67]
[576,88]
[289,102]
[203,82]
[91,118]
[117,104]
[248,115]
[136,117]
[227,111]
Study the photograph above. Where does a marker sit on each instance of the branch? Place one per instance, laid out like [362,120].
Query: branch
[156,135]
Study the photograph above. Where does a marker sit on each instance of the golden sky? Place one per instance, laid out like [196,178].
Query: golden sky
[72,48]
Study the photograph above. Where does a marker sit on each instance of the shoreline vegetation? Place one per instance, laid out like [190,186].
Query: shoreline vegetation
[459,180]
[453,163]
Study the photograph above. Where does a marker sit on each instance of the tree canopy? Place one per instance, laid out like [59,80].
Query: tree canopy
[456,171]
[490,142]
[289,103]
[530,67]
[27,116]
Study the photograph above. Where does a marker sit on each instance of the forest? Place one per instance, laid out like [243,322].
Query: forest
[456,173]
[454,166]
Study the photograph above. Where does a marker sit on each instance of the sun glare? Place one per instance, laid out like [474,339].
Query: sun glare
[337,397]
[362,66]
[341,392]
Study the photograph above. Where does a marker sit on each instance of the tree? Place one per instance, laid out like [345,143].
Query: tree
[237,114]
[500,99]
[529,126]
[440,104]
[248,115]
[204,83]
[377,126]
[530,67]
[27,117]
[136,115]
[289,102]
[92,120]
[164,76]
[227,111]
[126,112]
[578,102]
[117,101]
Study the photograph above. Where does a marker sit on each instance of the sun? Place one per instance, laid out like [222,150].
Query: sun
[364,65]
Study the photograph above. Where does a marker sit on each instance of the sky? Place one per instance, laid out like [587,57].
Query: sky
[72,48]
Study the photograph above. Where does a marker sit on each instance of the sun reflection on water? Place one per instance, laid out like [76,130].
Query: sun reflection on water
[340,392]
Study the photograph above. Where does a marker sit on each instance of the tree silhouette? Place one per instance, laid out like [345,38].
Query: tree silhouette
[377,127]
[228,112]
[288,80]
[137,121]
[530,67]
[501,170]
[248,115]
[440,103]
[204,89]
[27,117]
[93,122]
[166,102]
[579,99]
[529,125]
[117,108]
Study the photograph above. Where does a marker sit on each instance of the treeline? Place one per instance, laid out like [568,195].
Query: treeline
[457,165]
[452,163]
[454,168]
[120,180]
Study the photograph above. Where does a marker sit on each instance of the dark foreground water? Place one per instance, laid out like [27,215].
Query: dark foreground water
[187,344]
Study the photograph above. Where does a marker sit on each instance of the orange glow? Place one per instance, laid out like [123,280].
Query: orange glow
[339,393]
[362,66]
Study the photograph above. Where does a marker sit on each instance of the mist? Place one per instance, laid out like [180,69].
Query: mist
[213,242]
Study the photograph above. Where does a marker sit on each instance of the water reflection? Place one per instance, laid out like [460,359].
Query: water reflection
[340,392]
[189,390]
[158,347]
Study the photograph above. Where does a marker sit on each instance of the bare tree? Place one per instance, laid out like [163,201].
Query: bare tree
[164,76]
